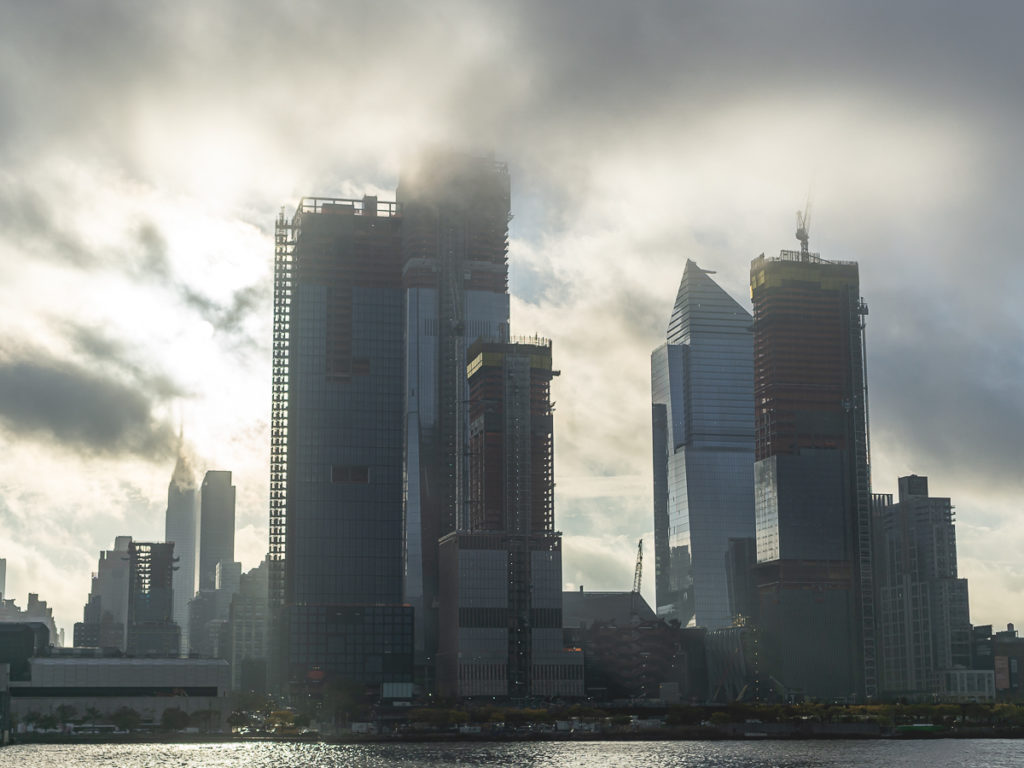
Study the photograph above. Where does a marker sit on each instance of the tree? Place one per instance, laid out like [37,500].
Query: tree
[126,719]
[48,722]
[66,713]
[174,719]
[92,715]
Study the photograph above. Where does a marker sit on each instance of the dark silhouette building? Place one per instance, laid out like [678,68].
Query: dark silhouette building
[500,597]
[455,213]
[105,620]
[216,525]
[152,630]
[336,554]
[811,482]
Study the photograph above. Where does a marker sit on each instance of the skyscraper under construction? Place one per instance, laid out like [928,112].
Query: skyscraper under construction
[375,305]
[811,481]
[455,214]
[336,447]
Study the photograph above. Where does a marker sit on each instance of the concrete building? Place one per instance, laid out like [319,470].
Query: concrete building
[181,529]
[500,596]
[703,438]
[148,686]
[152,630]
[105,617]
[923,614]
[336,538]
[455,211]
[812,488]
[216,525]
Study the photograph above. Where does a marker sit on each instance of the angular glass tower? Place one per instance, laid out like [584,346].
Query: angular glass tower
[703,429]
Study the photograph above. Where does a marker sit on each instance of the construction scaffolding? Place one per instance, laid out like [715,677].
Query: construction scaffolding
[284,244]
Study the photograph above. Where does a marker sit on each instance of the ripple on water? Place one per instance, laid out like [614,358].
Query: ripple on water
[945,753]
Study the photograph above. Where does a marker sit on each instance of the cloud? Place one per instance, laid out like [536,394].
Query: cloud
[85,411]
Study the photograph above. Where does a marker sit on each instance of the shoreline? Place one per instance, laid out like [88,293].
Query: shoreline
[757,733]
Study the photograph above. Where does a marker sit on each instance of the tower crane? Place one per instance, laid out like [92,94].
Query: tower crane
[803,227]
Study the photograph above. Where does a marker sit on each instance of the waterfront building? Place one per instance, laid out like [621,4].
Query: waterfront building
[923,613]
[454,242]
[500,596]
[336,554]
[812,488]
[702,424]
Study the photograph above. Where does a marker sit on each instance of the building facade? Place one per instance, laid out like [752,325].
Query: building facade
[812,488]
[702,426]
[336,554]
[923,611]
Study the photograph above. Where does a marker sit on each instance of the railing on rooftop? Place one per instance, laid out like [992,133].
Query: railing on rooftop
[809,258]
[346,205]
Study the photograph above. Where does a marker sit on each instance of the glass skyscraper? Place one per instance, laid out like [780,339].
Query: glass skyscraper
[703,430]
[336,463]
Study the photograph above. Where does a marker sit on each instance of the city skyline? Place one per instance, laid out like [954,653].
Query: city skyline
[136,255]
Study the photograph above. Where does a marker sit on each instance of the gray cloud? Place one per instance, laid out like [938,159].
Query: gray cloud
[82,410]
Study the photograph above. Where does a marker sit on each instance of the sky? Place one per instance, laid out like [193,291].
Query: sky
[146,149]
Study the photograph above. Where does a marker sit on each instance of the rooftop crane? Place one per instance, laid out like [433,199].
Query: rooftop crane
[803,227]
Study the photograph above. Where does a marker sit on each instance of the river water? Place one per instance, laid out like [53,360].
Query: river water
[939,753]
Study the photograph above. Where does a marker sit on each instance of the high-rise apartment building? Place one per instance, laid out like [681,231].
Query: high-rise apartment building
[181,529]
[336,537]
[454,243]
[812,488]
[105,620]
[216,525]
[924,625]
[500,597]
[152,630]
[702,424]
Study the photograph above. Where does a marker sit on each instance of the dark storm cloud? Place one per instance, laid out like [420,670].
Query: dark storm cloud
[104,352]
[85,411]
[947,393]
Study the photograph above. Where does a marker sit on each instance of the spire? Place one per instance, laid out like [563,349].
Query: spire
[184,475]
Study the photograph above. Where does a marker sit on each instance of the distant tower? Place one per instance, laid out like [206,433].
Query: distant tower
[702,419]
[3,577]
[105,620]
[180,528]
[216,525]
[152,630]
